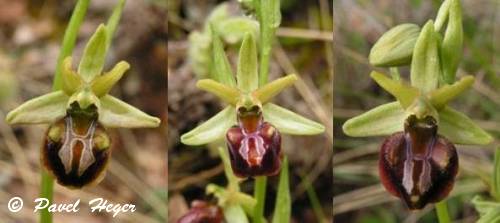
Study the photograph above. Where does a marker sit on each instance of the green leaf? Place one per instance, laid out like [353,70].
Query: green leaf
[395,47]
[385,119]
[451,49]
[268,91]
[492,216]
[47,108]
[459,129]
[425,67]
[283,206]
[484,206]
[93,57]
[102,84]
[211,130]
[224,92]
[496,175]
[232,30]
[223,73]
[113,21]
[404,93]
[443,95]
[71,81]
[234,213]
[289,122]
[247,77]
[442,15]
[114,113]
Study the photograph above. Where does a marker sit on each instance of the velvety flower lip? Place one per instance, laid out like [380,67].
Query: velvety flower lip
[202,212]
[418,165]
[254,145]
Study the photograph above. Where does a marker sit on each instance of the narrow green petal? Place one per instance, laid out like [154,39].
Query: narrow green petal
[383,120]
[102,84]
[211,130]
[114,113]
[94,55]
[44,109]
[71,81]
[268,91]
[283,205]
[223,73]
[425,67]
[247,76]
[443,95]
[224,92]
[404,93]
[289,122]
[459,129]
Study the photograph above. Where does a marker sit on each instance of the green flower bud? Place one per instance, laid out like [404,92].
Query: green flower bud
[395,47]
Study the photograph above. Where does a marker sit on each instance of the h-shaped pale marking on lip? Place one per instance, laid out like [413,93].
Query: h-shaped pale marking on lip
[258,144]
[71,138]
[424,181]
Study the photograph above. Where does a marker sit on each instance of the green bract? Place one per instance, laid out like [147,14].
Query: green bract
[432,80]
[86,87]
[245,92]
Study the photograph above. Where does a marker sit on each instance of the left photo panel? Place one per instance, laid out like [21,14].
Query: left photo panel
[83,110]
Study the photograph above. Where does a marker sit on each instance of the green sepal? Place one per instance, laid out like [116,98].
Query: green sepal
[289,122]
[283,205]
[425,67]
[247,77]
[382,120]
[102,84]
[93,57]
[395,47]
[451,49]
[459,129]
[47,108]
[71,81]
[223,73]
[443,95]
[265,93]
[405,94]
[114,113]
[224,92]
[211,130]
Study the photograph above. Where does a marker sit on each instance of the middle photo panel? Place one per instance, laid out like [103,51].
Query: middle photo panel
[250,87]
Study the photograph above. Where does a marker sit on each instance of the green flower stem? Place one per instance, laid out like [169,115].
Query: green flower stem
[442,212]
[260,196]
[69,40]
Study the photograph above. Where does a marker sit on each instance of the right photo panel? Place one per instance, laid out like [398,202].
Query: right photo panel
[416,111]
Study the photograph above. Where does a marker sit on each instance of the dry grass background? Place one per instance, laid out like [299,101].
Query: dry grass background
[30,37]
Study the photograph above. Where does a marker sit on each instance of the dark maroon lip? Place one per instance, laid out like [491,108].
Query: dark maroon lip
[418,165]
